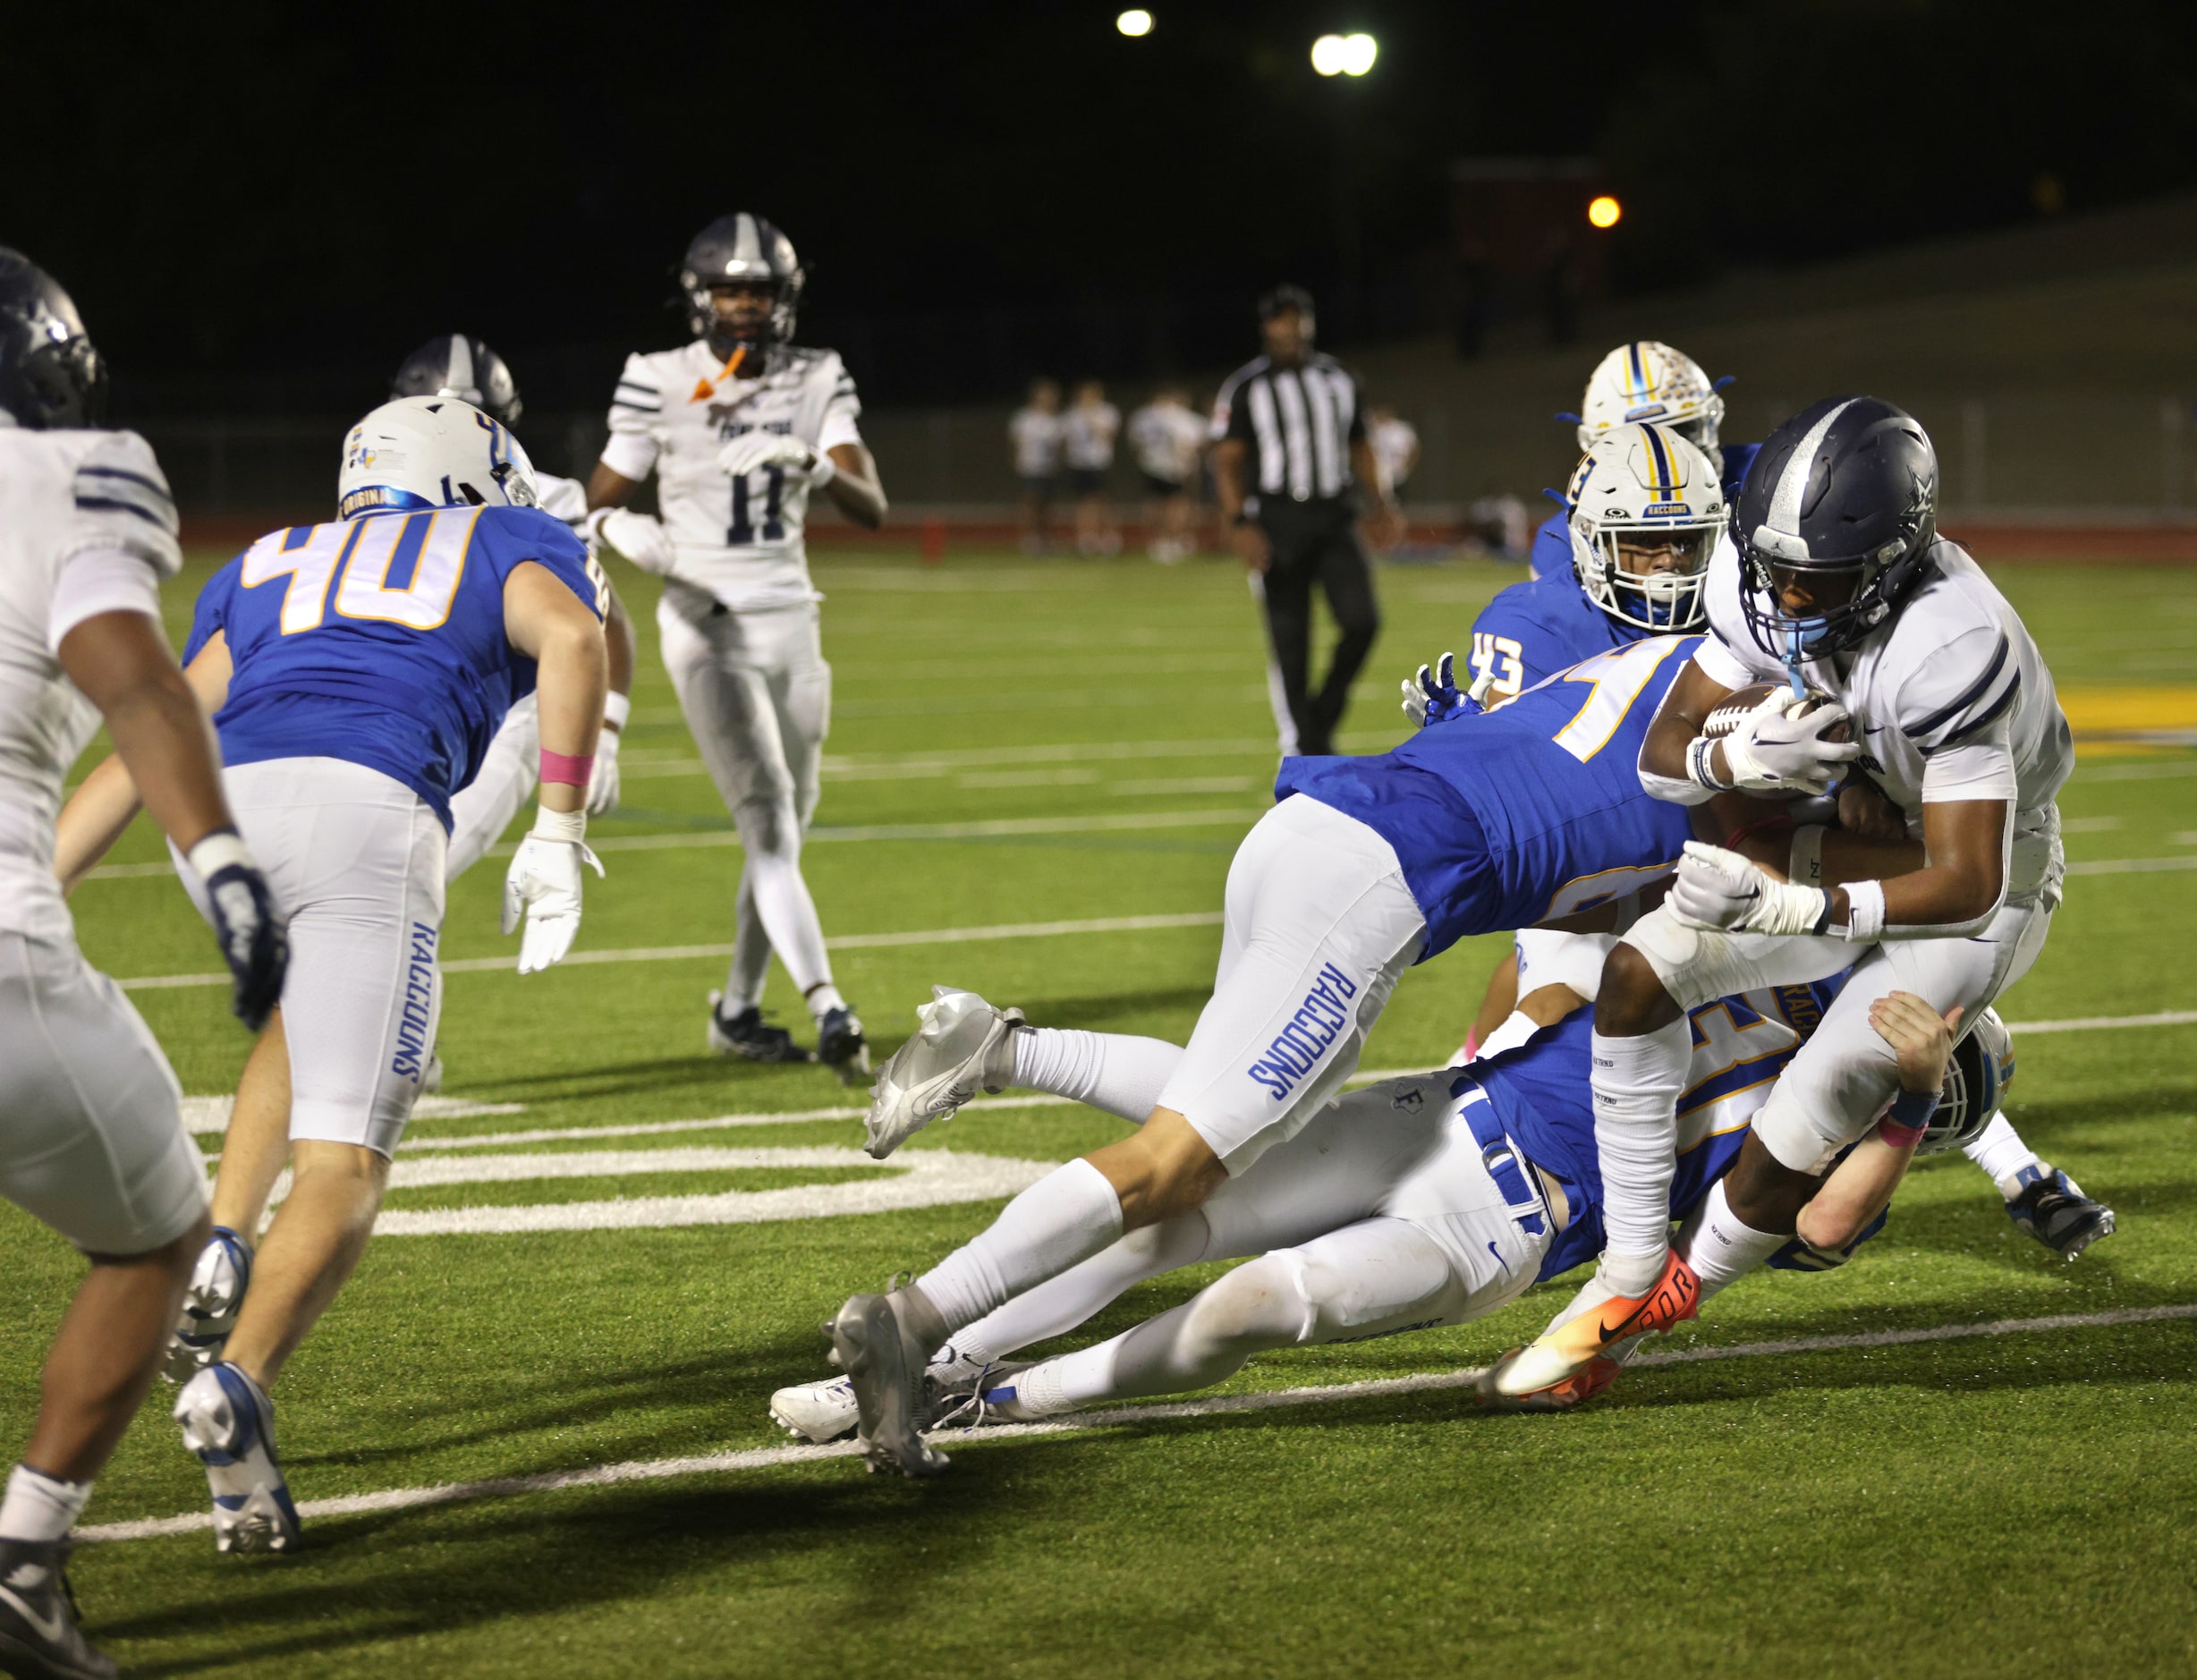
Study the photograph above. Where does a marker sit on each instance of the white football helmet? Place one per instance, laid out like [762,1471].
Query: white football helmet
[1976,1082]
[432,452]
[1648,381]
[1646,513]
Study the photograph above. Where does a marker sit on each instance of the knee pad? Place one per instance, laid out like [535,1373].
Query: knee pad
[1688,960]
[1265,1301]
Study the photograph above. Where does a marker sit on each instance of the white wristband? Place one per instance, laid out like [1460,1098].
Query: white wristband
[1864,910]
[1804,865]
[1697,768]
[568,825]
[616,708]
[216,851]
[823,472]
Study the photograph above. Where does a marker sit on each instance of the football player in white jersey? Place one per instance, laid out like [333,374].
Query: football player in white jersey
[1837,583]
[453,364]
[741,427]
[91,1136]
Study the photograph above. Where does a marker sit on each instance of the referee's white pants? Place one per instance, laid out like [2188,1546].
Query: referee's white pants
[91,1130]
[1840,1081]
[757,696]
[1318,927]
[356,862]
[485,806]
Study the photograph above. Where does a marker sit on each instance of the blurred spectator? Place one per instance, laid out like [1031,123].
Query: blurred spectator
[1395,448]
[1166,439]
[1088,430]
[1503,526]
[1035,435]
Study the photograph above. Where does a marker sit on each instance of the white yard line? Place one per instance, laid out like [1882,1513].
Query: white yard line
[659,1128]
[774,1458]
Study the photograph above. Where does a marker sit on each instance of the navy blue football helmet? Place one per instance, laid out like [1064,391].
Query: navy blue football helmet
[50,374]
[741,249]
[1842,503]
[454,365]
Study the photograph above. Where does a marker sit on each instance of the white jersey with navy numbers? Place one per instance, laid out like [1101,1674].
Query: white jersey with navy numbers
[739,539]
[87,526]
[1951,697]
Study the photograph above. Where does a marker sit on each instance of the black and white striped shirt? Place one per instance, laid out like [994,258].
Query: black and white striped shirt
[1299,424]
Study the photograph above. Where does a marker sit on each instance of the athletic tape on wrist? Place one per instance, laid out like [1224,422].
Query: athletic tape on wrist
[569,825]
[1864,910]
[1804,865]
[1698,769]
[824,471]
[572,771]
[223,849]
[616,710]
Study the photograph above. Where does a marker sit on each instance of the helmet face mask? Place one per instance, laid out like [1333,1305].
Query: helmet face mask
[735,252]
[1977,1081]
[1646,514]
[1840,508]
[51,376]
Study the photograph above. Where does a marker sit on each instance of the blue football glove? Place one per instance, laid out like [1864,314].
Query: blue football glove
[253,937]
[1432,696]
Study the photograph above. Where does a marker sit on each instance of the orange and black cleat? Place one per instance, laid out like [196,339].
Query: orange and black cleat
[1576,1389]
[1569,1349]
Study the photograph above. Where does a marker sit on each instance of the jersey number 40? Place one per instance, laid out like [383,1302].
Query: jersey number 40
[363,551]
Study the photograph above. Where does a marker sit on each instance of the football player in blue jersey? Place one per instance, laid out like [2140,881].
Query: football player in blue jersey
[1418,1202]
[1644,381]
[357,672]
[1528,814]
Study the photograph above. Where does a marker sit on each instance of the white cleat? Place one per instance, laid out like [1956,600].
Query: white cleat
[817,1412]
[229,1426]
[943,1066]
[211,1302]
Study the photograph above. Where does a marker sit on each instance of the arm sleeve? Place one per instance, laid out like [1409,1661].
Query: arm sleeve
[123,504]
[95,580]
[842,409]
[635,410]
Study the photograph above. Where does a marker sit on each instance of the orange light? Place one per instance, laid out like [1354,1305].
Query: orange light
[1604,211]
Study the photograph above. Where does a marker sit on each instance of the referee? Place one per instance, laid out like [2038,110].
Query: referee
[1290,458]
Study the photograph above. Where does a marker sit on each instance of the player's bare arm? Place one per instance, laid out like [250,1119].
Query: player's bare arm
[1384,520]
[546,621]
[124,667]
[854,488]
[1230,455]
[609,488]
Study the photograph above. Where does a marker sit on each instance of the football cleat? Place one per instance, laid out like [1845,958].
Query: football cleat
[885,1365]
[841,1047]
[211,1302]
[1582,1385]
[745,1034]
[40,1637]
[1568,1349]
[229,1425]
[943,1066]
[826,1411]
[2053,1209]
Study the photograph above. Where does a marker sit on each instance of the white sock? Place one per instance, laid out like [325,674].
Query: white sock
[1118,1072]
[751,965]
[1065,1217]
[1517,1027]
[39,1506]
[1999,1150]
[1057,1305]
[1637,1084]
[782,900]
[1720,1247]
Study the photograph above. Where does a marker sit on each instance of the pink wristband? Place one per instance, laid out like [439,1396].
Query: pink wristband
[564,766]
[1898,1136]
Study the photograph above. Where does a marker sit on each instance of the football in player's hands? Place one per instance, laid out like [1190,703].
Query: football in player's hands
[1766,696]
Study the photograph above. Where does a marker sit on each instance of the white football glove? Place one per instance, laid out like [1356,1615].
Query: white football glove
[639,537]
[603,783]
[744,454]
[1772,753]
[1720,889]
[544,885]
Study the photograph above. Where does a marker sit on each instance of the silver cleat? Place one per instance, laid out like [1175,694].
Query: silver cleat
[886,1371]
[939,1069]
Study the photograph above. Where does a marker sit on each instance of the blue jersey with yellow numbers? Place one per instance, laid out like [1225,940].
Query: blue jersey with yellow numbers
[1532,630]
[1542,1093]
[381,639]
[1530,812]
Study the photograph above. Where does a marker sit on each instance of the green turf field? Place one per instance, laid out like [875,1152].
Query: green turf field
[1018,744]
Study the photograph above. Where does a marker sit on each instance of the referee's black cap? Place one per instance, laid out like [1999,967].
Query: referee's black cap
[1285,297]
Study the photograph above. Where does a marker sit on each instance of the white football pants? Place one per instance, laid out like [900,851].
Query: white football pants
[91,1133]
[758,697]
[484,808]
[1379,1216]
[356,862]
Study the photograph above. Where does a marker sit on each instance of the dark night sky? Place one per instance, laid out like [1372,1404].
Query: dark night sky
[252,202]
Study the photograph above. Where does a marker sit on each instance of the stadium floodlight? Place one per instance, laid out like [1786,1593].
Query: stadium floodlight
[1328,55]
[1135,23]
[1603,210]
[1345,55]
